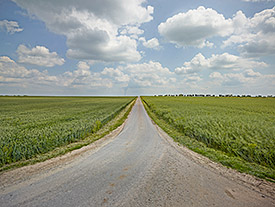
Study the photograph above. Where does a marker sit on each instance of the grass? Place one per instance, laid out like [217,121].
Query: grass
[237,132]
[34,129]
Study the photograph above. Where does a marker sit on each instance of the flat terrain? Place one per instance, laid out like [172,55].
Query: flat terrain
[139,167]
[238,132]
[31,126]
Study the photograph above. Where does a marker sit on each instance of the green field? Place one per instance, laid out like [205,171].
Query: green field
[240,128]
[35,125]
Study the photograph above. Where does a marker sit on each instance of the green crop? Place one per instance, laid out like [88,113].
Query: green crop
[36,125]
[240,127]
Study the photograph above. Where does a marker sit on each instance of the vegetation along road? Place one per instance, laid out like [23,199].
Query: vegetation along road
[32,126]
[237,132]
[141,166]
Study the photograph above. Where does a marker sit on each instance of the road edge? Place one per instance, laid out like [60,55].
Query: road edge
[262,186]
[21,174]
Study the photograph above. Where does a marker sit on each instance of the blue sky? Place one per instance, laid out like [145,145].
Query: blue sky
[137,47]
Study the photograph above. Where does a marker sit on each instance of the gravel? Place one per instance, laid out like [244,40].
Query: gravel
[141,166]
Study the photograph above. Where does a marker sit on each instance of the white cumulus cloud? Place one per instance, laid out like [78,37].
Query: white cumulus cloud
[152,43]
[223,61]
[83,77]
[143,75]
[198,63]
[251,73]
[93,27]
[133,31]
[193,79]
[149,78]
[254,36]
[116,74]
[229,78]
[38,55]
[258,0]
[194,27]
[10,26]
[12,73]
[248,77]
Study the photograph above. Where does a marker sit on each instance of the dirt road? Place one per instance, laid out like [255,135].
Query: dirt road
[140,167]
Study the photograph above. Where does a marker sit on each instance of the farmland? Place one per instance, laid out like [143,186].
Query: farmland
[238,132]
[36,125]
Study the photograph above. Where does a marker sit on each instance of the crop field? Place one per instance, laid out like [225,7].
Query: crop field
[240,127]
[36,125]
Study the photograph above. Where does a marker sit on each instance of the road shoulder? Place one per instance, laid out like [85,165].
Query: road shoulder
[17,177]
[259,185]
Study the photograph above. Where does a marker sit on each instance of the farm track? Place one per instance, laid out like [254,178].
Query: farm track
[139,167]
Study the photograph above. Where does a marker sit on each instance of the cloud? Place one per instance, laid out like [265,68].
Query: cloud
[195,65]
[137,76]
[151,74]
[10,26]
[149,78]
[194,27]
[247,77]
[116,74]
[92,45]
[247,82]
[133,31]
[152,43]
[223,61]
[258,0]
[38,55]
[82,77]
[193,79]
[250,73]
[12,73]
[229,78]
[143,75]
[96,30]
[254,36]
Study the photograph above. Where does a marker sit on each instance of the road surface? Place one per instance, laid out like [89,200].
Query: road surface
[137,168]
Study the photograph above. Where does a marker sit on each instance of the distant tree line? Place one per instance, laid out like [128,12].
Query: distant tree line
[220,95]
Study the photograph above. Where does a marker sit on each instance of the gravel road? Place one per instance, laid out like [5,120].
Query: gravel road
[137,168]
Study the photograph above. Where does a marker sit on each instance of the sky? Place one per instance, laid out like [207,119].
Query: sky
[137,47]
